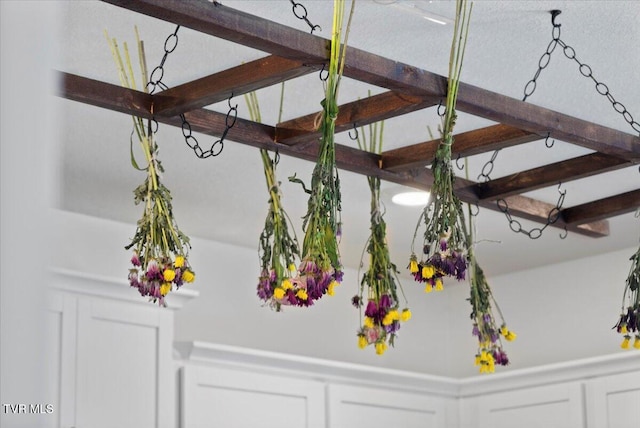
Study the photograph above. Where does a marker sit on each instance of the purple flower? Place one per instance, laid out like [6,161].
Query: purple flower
[356,301]
[500,357]
[385,302]
[372,309]
[135,260]
[443,245]
[153,271]
[476,330]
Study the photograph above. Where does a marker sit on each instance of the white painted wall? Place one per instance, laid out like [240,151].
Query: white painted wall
[26,152]
[560,312]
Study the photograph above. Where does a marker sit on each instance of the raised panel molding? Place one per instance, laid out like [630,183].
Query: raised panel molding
[613,401]
[217,397]
[350,406]
[553,406]
[117,367]
[122,366]
[61,336]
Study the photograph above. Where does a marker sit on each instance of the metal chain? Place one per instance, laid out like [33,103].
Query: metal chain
[170,45]
[488,168]
[584,69]
[218,145]
[300,12]
[155,82]
[535,233]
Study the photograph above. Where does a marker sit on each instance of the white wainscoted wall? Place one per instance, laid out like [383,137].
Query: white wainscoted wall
[116,366]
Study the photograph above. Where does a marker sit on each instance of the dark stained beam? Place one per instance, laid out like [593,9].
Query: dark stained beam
[255,134]
[465,144]
[105,95]
[362,112]
[217,87]
[537,178]
[259,33]
[602,208]
[518,205]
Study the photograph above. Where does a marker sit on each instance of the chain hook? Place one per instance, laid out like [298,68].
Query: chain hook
[438,110]
[554,14]
[564,234]
[460,166]
[355,136]
[324,77]
[546,141]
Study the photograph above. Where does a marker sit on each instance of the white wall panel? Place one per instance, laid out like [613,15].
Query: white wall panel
[351,406]
[614,401]
[555,406]
[124,362]
[214,397]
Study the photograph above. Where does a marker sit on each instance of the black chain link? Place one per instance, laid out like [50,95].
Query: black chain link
[300,12]
[584,69]
[487,169]
[170,45]
[536,232]
[155,82]
[218,145]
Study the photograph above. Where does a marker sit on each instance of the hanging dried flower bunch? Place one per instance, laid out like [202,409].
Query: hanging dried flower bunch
[279,250]
[443,249]
[485,325]
[383,316]
[629,322]
[321,268]
[160,249]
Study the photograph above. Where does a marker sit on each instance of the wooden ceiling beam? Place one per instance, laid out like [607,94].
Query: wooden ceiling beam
[259,33]
[360,113]
[602,208]
[105,95]
[547,175]
[209,122]
[465,144]
[235,81]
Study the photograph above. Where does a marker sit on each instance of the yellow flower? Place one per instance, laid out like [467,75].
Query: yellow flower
[504,330]
[380,348]
[368,322]
[387,320]
[428,288]
[477,362]
[165,288]
[636,342]
[292,267]
[286,284]
[413,266]
[278,293]
[302,294]
[623,329]
[169,274]
[510,336]
[439,286]
[178,262]
[362,342]
[188,276]
[428,272]
[330,290]
[405,315]
[625,342]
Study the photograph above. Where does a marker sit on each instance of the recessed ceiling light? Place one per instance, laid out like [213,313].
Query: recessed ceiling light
[411,199]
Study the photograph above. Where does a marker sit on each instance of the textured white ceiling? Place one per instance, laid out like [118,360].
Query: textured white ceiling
[224,198]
